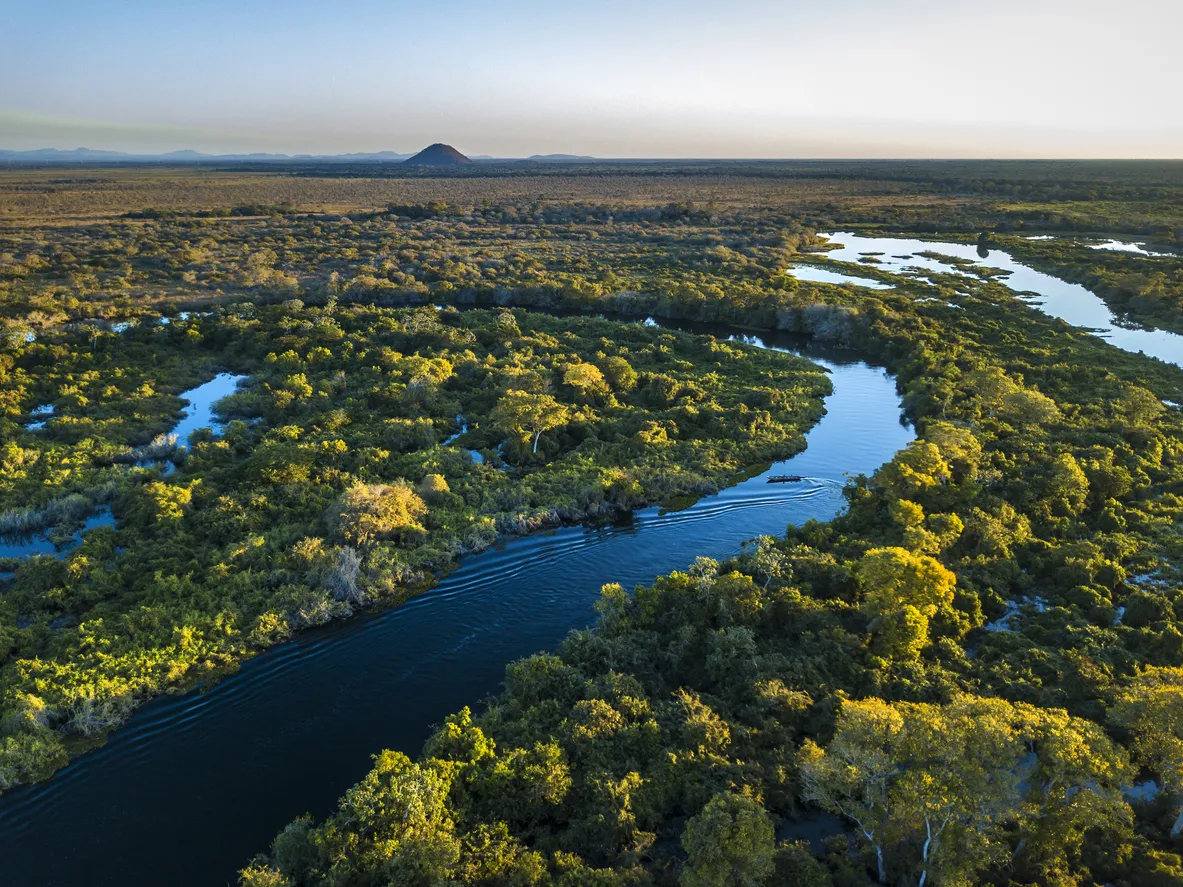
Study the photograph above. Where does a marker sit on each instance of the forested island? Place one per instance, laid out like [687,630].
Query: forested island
[972,675]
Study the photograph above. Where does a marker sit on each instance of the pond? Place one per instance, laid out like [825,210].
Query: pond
[1125,246]
[198,414]
[224,770]
[813,274]
[40,543]
[474,455]
[1121,246]
[39,415]
[200,411]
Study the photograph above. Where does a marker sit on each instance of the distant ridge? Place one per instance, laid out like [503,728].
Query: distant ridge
[53,156]
[438,154]
[56,155]
[558,158]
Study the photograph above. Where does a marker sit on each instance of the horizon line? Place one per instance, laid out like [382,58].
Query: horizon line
[8,155]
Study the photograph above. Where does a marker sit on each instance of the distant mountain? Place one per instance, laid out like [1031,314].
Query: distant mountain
[435,155]
[438,154]
[187,154]
[50,156]
[376,155]
[55,155]
[558,158]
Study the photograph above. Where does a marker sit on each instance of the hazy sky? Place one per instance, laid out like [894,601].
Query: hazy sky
[614,78]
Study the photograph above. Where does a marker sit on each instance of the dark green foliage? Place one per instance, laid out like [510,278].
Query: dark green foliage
[337,492]
[1046,488]
[1044,476]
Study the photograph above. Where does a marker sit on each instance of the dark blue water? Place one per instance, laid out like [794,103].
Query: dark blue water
[192,786]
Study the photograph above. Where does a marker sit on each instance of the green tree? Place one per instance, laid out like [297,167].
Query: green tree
[399,815]
[768,559]
[586,378]
[160,502]
[959,448]
[528,415]
[892,578]
[901,635]
[261,875]
[1151,708]
[368,512]
[1074,790]
[853,775]
[433,486]
[1139,405]
[620,374]
[730,842]
[1068,486]
[946,784]
[1027,407]
[913,470]
[998,394]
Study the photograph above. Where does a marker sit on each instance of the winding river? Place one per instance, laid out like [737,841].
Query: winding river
[192,786]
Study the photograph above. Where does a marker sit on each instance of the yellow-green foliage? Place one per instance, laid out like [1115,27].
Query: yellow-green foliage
[843,669]
[337,489]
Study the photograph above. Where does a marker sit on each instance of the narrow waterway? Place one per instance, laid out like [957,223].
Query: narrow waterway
[200,410]
[198,413]
[192,786]
[1070,302]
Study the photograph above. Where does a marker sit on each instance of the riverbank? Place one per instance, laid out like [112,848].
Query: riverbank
[384,676]
[738,692]
[654,416]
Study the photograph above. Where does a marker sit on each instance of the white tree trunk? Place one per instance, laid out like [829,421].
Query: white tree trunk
[1178,826]
[870,836]
[924,855]
[537,434]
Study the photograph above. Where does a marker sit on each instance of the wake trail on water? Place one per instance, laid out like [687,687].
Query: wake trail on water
[295,726]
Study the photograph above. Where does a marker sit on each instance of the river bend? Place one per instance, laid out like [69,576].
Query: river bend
[191,786]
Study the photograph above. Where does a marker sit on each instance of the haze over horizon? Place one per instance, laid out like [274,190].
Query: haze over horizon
[917,78]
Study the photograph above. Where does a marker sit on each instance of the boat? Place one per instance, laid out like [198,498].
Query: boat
[784,478]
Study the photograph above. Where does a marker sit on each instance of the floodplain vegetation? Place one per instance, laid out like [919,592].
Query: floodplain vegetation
[972,676]
[331,487]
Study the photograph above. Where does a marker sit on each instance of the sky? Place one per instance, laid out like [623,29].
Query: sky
[610,78]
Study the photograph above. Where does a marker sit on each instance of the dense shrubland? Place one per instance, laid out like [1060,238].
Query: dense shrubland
[961,680]
[191,236]
[329,488]
[846,669]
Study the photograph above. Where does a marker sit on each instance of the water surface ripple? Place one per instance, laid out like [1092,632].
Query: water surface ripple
[192,786]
